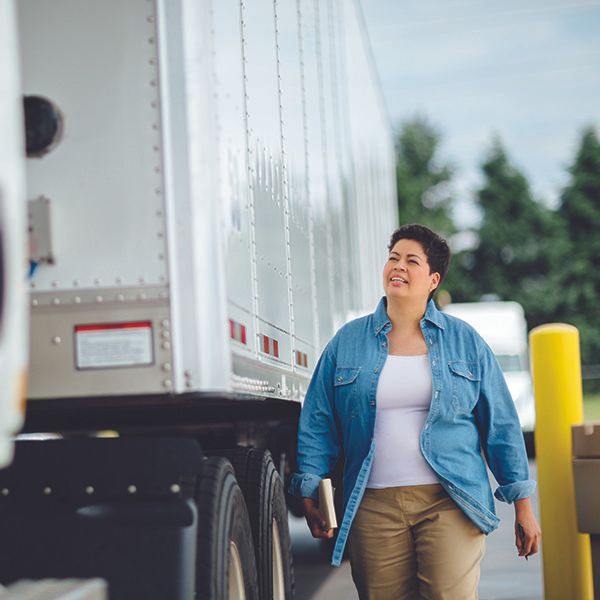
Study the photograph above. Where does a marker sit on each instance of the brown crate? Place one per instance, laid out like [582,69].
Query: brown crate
[586,440]
[586,474]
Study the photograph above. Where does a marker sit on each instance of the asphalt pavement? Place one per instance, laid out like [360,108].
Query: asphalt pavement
[504,576]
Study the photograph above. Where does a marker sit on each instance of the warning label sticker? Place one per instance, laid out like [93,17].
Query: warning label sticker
[113,345]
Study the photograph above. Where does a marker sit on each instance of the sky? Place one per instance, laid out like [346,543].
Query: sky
[527,71]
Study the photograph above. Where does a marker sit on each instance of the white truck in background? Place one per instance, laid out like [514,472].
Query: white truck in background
[503,326]
[210,191]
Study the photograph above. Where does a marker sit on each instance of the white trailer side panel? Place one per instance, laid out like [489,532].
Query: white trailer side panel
[200,339]
[98,62]
[294,144]
[252,196]
[375,210]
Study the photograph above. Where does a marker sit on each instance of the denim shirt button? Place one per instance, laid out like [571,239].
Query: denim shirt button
[375,370]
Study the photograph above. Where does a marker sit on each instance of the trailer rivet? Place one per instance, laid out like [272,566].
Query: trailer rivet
[120,297]
[89,490]
[34,303]
[166,346]
[176,488]
[56,340]
[5,491]
[132,489]
[77,300]
[56,300]
[47,491]
[99,299]
[164,323]
[167,383]
[166,367]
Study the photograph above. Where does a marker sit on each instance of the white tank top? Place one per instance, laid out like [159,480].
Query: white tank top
[403,400]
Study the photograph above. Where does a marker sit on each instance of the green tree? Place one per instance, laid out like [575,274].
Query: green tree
[519,242]
[423,184]
[580,210]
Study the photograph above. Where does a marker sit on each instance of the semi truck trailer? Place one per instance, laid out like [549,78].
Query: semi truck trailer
[209,193]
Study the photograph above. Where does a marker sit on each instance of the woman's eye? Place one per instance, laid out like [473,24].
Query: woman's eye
[414,262]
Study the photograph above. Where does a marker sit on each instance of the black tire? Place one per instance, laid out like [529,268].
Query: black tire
[222,519]
[265,498]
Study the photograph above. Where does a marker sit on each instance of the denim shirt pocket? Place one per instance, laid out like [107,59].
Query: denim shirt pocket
[466,377]
[345,385]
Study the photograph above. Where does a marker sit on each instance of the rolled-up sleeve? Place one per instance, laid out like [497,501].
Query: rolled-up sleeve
[500,432]
[318,441]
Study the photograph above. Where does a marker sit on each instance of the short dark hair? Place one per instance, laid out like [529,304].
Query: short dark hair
[435,247]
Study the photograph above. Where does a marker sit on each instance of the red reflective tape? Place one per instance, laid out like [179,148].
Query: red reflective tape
[266,344]
[306,360]
[243,336]
[298,357]
[276,348]
[231,329]
[112,326]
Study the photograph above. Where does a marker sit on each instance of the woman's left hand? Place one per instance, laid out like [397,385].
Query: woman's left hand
[532,533]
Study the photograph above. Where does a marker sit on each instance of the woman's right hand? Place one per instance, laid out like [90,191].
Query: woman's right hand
[316,522]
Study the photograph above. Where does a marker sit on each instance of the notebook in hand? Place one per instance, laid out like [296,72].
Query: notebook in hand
[326,505]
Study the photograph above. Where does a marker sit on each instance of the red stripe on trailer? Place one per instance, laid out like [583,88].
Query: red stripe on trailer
[112,326]
[243,334]
[276,348]
[231,328]
[298,357]
[306,360]
[266,344]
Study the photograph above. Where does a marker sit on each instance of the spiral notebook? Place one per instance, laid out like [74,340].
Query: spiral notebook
[326,505]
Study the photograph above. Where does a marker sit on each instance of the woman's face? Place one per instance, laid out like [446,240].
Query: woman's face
[406,272]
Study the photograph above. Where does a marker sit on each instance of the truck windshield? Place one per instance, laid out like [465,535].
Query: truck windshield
[509,362]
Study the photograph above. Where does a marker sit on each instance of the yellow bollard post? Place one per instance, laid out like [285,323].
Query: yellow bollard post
[556,372]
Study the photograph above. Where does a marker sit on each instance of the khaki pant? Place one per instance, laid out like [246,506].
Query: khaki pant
[414,542]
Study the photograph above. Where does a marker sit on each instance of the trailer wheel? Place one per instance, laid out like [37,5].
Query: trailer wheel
[265,498]
[225,563]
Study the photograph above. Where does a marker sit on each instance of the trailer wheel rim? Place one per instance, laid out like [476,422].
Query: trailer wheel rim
[237,589]
[278,575]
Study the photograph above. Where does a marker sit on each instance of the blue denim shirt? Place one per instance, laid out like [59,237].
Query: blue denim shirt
[471,411]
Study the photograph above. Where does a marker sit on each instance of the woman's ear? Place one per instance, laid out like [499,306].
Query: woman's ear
[435,281]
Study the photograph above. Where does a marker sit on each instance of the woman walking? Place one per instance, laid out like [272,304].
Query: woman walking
[411,397]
